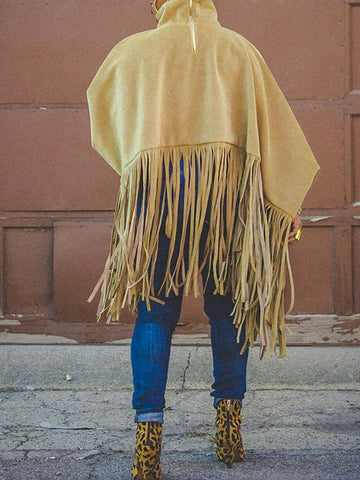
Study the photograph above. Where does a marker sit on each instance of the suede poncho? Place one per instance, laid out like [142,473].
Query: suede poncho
[192,88]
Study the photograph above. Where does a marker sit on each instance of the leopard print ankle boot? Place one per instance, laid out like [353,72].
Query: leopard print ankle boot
[146,465]
[228,435]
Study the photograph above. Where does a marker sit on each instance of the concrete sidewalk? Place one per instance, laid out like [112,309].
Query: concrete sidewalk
[300,414]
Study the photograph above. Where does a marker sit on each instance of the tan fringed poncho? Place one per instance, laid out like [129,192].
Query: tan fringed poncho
[191,86]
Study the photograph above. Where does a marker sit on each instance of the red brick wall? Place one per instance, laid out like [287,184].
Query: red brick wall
[58,195]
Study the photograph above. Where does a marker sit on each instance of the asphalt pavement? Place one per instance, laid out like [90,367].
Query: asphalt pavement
[65,413]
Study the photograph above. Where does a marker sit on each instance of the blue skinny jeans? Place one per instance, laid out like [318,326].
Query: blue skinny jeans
[152,334]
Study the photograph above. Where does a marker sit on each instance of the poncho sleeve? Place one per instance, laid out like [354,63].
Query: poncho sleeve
[288,166]
[101,95]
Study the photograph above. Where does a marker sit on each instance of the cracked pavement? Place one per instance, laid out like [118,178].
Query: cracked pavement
[84,428]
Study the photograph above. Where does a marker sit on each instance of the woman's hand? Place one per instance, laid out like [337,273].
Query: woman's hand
[296,224]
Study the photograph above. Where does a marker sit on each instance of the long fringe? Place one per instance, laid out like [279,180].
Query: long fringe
[251,260]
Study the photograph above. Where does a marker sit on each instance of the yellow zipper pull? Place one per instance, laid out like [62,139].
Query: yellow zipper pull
[192,24]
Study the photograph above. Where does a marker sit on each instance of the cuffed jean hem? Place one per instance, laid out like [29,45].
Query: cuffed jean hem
[149,417]
[217,400]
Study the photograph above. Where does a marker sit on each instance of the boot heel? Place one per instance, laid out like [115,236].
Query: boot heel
[146,464]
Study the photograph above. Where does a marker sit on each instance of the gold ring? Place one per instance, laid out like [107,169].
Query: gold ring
[298,234]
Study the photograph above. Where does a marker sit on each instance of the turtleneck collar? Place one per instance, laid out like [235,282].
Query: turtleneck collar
[187,11]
